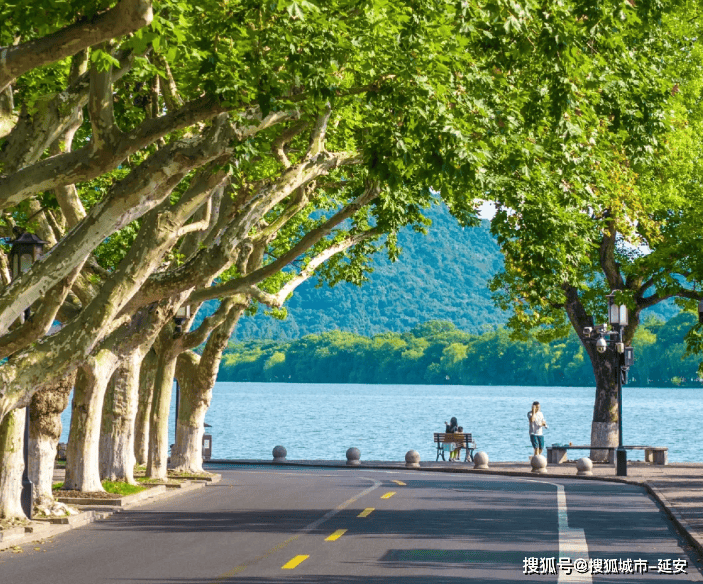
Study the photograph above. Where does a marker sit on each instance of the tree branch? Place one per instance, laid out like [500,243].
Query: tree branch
[279,144]
[71,167]
[201,225]
[306,243]
[277,300]
[317,138]
[607,258]
[40,322]
[128,16]
[100,107]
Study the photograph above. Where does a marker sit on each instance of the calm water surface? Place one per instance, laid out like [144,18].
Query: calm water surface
[385,421]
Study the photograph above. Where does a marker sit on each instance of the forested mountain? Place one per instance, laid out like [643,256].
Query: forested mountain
[438,353]
[442,275]
[439,276]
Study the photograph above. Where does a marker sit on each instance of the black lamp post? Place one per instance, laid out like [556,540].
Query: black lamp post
[624,358]
[182,315]
[25,250]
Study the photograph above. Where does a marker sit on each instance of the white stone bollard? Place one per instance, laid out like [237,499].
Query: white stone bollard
[481,460]
[279,454]
[539,464]
[584,467]
[353,456]
[412,459]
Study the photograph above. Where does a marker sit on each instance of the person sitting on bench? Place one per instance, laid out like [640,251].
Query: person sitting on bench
[450,428]
[456,453]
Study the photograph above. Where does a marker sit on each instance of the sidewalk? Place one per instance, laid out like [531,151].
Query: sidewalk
[677,487]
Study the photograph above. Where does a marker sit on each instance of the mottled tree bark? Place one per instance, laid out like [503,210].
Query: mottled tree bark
[11,464]
[117,428]
[82,453]
[157,461]
[44,432]
[147,376]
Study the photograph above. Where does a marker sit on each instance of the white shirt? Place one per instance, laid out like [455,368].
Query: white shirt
[536,423]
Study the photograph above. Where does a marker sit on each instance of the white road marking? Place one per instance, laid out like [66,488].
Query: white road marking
[572,543]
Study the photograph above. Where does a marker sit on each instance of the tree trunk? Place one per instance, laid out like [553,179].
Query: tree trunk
[82,454]
[11,464]
[604,428]
[197,376]
[187,455]
[157,459]
[147,375]
[117,428]
[44,432]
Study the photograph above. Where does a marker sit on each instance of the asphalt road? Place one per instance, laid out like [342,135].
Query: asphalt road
[263,525]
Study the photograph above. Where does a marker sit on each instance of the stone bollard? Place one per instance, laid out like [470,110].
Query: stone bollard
[539,464]
[584,467]
[481,461]
[412,459]
[279,454]
[353,456]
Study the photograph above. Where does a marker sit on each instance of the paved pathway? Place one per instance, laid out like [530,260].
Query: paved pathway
[265,524]
[677,487]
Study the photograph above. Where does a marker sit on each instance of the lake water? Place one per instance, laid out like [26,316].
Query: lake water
[385,421]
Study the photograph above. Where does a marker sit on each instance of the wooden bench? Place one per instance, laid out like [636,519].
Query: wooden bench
[556,453]
[464,440]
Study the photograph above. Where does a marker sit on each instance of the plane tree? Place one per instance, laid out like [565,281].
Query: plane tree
[133,134]
[603,197]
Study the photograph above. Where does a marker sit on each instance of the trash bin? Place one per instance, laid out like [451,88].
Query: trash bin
[207,446]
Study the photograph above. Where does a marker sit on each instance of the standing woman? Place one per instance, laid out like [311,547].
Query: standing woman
[537,422]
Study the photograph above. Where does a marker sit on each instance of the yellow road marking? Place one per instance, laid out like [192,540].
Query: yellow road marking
[401,483]
[388,495]
[296,561]
[336,535]
[307,529]
[366,512]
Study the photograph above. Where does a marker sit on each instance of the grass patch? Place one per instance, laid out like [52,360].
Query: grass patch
[59,464]
[120,488]
[56,486]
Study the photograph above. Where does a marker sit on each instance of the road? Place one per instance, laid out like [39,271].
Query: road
[264,525]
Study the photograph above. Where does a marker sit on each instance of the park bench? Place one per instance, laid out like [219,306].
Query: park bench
[464,440]
[556,453]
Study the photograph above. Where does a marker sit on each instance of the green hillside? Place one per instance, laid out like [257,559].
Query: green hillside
[440,276]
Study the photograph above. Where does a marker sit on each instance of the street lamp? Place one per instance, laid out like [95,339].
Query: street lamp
[182,314]
[25,250]
[604,339]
